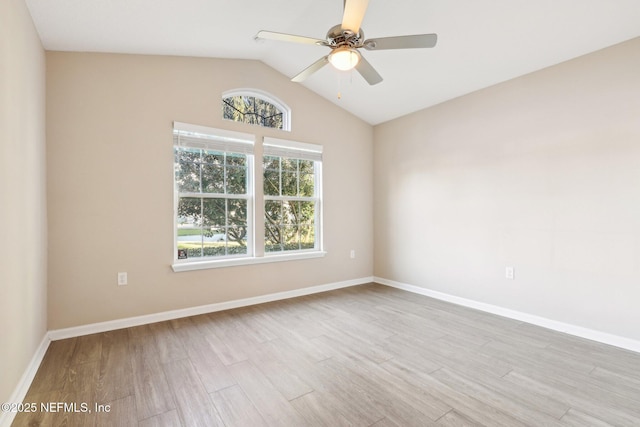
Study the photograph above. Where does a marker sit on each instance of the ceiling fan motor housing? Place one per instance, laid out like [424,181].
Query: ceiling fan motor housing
[337,37]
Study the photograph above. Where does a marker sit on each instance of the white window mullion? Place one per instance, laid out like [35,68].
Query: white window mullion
[201,226]
[256,186]
[280,176]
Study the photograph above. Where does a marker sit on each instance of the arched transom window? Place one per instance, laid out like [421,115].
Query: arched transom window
[257,108]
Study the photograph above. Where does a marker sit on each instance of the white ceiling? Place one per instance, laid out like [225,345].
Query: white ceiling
[480,42]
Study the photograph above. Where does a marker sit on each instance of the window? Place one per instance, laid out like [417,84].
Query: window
[291,173]
[213,186]
[255,107]
[216,220]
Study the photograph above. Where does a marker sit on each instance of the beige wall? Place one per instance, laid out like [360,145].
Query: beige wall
[23,238]
[110,183]
[541,173]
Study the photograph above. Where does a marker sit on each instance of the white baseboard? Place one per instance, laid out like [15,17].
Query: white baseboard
[111,325]
[590,334]
[6,418]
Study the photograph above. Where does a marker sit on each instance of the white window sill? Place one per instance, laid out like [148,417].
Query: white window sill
[203,265]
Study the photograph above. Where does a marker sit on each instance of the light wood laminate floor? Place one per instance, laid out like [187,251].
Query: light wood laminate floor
[363,356]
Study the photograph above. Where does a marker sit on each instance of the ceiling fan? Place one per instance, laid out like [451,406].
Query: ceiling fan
[346,38]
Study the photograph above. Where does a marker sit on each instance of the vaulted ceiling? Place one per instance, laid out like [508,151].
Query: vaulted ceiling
[480,42]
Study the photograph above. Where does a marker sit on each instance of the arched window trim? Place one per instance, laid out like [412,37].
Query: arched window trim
[267,97]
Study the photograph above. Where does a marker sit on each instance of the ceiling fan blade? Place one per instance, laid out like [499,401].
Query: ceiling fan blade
[367,71]
[402,42]
[316,66]
[354,11]
[283,37]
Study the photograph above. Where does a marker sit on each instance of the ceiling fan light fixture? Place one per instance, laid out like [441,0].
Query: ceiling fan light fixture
[344,58]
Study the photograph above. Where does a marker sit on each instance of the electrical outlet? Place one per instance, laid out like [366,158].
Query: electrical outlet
[122,279]
[509,273]
[352,254]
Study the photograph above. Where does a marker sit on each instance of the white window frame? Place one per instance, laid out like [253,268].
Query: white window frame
[201,137]
[302,151]
[255,226]
[267,97]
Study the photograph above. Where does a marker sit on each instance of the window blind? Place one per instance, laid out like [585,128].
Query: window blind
[206,138]
[293,149]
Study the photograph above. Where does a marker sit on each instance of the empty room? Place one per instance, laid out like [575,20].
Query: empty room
[319,213]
